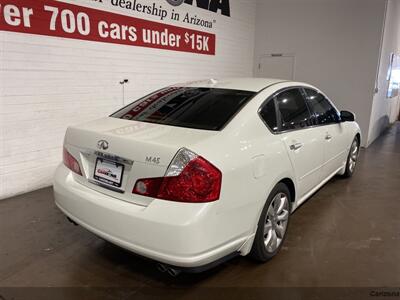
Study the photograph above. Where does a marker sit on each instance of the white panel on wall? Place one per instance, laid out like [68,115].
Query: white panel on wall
[49,83]
[277,66]
[384,110]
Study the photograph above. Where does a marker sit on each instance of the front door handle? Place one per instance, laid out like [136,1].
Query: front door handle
[328,137]
[296,146]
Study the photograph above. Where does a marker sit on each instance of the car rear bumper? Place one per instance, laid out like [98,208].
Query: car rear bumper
[178,234]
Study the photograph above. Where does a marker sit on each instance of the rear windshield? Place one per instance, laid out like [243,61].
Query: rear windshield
[199,108]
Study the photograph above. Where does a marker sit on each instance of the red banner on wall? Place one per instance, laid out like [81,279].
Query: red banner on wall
[58,19]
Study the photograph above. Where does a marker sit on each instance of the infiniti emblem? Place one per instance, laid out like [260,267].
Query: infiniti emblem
[102,145]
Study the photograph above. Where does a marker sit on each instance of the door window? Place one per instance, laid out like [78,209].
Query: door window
[293,110]
[268,114]
[323,110]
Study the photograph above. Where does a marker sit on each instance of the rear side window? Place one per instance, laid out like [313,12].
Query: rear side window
[323,110]
[293,110]
[198,108]
[268,114]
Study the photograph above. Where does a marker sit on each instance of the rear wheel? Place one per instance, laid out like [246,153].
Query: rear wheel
[273,224]
[352,158]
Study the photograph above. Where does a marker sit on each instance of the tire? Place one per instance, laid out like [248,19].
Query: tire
[352,158]
[269,227]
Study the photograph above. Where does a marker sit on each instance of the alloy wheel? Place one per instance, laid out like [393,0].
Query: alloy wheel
[353,156]
[276,222]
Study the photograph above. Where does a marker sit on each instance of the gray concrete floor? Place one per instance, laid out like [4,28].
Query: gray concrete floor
[346,235]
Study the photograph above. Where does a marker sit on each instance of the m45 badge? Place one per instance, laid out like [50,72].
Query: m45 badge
[153,160]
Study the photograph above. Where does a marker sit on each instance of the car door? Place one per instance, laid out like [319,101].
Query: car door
[327,118]
[302,140]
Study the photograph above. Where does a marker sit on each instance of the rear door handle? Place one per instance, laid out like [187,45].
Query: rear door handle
[328,137]
[296,146]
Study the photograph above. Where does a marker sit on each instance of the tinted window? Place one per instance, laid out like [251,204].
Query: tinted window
[294,113]
[200,108]
[323,110]
[268,114]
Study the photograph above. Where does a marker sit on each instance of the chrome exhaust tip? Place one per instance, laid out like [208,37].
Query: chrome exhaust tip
[169,270]
[173,272]
[162,268]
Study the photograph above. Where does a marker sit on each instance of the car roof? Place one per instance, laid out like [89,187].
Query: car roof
[243,84]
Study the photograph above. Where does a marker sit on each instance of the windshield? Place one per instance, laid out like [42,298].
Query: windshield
[198,108]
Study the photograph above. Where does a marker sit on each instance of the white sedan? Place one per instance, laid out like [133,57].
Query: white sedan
[196,173]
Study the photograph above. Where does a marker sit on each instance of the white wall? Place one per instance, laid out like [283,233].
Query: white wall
[386,111]
[48,83]
[336,44]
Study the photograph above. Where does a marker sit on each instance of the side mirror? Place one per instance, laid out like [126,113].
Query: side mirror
[347,116]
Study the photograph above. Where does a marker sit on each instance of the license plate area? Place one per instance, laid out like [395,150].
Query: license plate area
[109,172]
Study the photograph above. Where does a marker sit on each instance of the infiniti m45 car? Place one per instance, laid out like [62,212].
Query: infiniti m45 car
[200,172]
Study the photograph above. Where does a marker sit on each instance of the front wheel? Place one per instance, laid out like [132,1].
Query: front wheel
[352,158]
[273,224]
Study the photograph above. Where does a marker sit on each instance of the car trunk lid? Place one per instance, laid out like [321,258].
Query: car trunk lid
[114,153]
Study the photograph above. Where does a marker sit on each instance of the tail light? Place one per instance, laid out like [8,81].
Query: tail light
[189,178]
[71,163]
